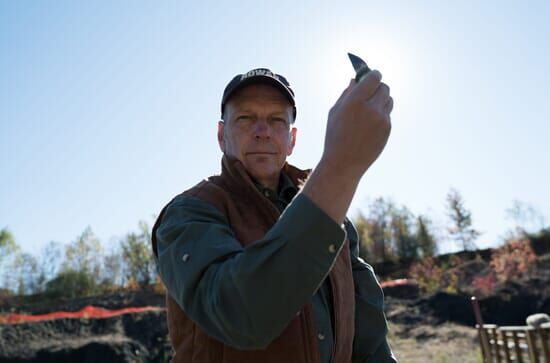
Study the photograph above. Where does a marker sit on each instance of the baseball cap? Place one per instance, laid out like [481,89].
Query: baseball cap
[259,75]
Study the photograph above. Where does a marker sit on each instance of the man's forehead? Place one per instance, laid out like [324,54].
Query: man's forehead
[260,92]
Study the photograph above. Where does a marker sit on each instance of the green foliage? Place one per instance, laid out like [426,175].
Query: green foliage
[71,284]
[137,255]
[432,276]
[405,242]
[375,231]
[389,232]
[112,268]
[426,241]
[84,254]
[452,275]
[365,232]
[427,274]
[9,250]
[80,271]
[25,269]
[49,263]
[8,246]
[540,241]
[461,222]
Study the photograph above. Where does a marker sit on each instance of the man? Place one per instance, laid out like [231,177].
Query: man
[260,263]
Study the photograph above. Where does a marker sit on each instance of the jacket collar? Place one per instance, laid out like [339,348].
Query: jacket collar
[239,181]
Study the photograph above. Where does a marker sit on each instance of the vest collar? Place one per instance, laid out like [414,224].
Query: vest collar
[239,181]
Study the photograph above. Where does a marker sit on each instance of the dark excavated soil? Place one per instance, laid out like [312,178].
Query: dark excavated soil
[137,337]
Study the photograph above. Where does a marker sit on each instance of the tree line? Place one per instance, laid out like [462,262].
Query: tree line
[388,232]
[393,232]
[80,268]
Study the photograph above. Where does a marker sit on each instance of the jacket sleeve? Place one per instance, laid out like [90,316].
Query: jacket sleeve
[244,297]
[370,344]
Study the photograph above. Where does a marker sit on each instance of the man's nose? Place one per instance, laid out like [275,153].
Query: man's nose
[262,129]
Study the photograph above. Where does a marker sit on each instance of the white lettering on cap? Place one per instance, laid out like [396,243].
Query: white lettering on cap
[259,72]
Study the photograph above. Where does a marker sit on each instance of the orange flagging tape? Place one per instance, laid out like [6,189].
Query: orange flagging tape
[397,282]
[89,311]
[93,312]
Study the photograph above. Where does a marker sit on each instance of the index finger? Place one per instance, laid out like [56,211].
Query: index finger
[368,85]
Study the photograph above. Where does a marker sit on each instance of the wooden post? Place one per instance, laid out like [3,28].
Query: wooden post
[494,334]
[504,336]
[544,334]
[519,355]
[532,344]
[482,333]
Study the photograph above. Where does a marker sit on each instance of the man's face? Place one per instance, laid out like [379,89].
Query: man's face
[256,130]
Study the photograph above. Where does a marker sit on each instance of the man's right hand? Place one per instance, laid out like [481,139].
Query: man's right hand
[358,126]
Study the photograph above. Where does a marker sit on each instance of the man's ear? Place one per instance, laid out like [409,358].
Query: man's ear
[221,140]
[293,132]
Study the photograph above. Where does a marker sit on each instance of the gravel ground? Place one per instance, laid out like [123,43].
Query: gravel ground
[445,343]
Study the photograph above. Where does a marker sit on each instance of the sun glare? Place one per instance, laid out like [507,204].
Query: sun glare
[395,61]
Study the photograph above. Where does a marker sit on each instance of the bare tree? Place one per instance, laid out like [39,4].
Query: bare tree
[25,270]
[525,217]
[112,268]
[461,230]
[49,263]
[84,255]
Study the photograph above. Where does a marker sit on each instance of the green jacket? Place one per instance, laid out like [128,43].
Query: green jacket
[193,222]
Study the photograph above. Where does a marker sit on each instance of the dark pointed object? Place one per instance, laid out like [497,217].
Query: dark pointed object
[360,66]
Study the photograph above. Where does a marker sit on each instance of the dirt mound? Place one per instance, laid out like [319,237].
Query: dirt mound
[509,305]
[137,337]
[401,288]
[514,301]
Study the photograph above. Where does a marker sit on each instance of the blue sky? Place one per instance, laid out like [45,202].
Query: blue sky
[109,109]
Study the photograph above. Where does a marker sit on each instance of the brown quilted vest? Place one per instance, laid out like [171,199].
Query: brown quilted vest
[251,215]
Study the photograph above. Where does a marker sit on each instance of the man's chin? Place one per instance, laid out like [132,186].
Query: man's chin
[265,162]
[263,174]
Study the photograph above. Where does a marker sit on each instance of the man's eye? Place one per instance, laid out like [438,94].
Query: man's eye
[279,121]
[244,118]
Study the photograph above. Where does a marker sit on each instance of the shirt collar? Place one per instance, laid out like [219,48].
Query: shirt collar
[287,189]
